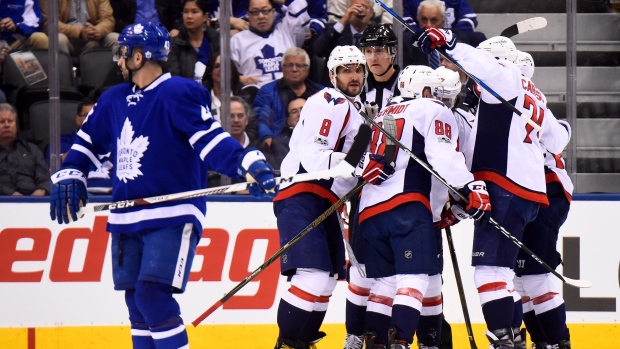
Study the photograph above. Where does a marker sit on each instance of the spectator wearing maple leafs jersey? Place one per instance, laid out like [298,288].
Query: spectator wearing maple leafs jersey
[258,51]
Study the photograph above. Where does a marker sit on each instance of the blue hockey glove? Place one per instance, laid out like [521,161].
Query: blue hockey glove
[479,202]
[433,38]
[68,195]
[255,168]
[374,169]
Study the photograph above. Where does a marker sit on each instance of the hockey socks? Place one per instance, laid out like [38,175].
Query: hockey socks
[170,335]
[355,320]
[553,324]
[141,337]
[533,327]
[498,314]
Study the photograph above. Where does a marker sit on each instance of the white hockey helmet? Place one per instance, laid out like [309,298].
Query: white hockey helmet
[525,62]
[500,47]
[450,85]
[344,55]
[414,79]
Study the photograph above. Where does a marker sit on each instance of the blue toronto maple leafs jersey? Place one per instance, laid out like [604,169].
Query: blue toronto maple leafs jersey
[163,140]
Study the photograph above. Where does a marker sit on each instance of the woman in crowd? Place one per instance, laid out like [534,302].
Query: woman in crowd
[195,44]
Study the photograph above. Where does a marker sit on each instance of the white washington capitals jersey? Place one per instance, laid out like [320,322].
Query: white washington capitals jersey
[261,54]
[163,139]
[503,148]
[555,167]
[328,124]
[428,128]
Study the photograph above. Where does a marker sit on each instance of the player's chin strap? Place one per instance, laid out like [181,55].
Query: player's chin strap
[386,71]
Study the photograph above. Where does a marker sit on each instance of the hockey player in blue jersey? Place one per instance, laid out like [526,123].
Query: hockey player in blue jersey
[164,139]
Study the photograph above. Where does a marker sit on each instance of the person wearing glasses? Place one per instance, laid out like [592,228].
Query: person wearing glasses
[258,52]
[271,100]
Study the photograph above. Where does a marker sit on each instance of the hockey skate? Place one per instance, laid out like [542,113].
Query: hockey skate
[283,343]
[565,344]
[538,345]
[369,339]
[500,339]
[519,338]
[353,342]
[394,343]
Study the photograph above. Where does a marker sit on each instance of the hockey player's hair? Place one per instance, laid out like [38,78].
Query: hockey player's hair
[296,51]
[434,3]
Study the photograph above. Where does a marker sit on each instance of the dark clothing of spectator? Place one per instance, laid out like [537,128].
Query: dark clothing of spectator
[270,105]
[326,42]
[168,12]
[279,148]
[183,56]
[23,169]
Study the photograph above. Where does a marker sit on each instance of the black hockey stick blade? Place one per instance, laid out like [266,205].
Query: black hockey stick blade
[524,26]
[362,139]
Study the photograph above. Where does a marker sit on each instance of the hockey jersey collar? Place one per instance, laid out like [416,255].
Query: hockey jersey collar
[153,84]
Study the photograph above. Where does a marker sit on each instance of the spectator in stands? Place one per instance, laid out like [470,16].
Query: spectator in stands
[99,180]
[243,129]
[212,82]
[347,31]
[20,24]
[454,14]
[83,25]
[127,12]
[279,146]
[22,168]
[257,52]
[195,44]
[337,8]
[67,139]
[271,100]
[240,113]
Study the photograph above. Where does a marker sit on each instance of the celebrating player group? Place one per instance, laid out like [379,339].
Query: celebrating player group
[442,150]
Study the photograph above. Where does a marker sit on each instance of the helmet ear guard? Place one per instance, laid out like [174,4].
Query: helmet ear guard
[414,79]
[152,38]
[500,47]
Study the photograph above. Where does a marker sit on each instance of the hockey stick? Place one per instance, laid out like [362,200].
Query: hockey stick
[355,154]
[443,52]
[343,169]
[459,286]
[573,282]
[524,26]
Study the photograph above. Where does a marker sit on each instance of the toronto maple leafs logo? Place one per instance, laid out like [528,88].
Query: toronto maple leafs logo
[134,97]
[270,62]
[129,152]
